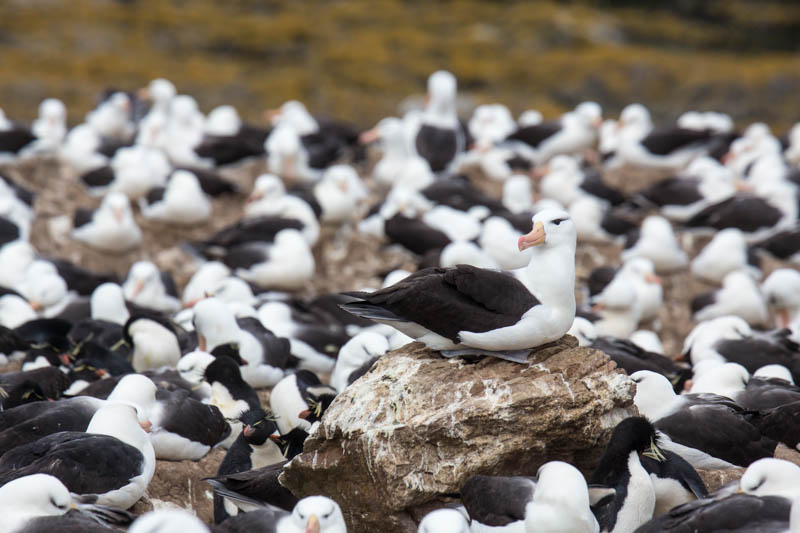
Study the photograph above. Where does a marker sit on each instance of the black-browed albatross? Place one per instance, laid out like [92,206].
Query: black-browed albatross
[473,311]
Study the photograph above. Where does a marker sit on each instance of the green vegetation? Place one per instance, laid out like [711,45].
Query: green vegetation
[361,59]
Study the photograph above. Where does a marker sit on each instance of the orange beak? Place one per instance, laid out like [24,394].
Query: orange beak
[784,318]
[727,158]
[146,425]
[312,526]
[276,438]
[536,237]
[137,288]
[101,373]
[65,360]
[36,306]
[254,197]
[247,430]
[201,342]
[369,136]
[652,278]
[304,414]
[539,172]
[272,115]
[144,94]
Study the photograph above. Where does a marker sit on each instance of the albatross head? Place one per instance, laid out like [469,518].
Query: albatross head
[771,477]
[32,496]
[551,227]
[444,521]
[318,514]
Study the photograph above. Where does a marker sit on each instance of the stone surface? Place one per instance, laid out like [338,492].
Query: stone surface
[417,426]
[714,479]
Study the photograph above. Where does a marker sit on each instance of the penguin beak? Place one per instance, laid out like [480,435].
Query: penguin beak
[146,425]
[276,438]
[36,306]
[654,453]
[536,237]
[304,414]
[144,94]
[65,360]
[247,430]
[312,526]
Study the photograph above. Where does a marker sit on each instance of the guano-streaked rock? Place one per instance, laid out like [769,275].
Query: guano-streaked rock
[412,430]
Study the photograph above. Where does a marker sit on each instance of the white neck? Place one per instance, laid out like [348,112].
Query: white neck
[556,289]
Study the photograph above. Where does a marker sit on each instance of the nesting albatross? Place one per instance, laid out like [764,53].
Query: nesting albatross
[473,311]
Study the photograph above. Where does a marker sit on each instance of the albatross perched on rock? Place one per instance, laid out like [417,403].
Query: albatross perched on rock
[472,311]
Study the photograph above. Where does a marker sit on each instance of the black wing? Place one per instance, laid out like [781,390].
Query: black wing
[276,349]
[169,283]
[615,225]
[212,183]
[719,431]
[599,279]
[534,135]
[192,419]
[458,193]
[15,139]
[739,512]
[753,353]
[307,195]
[633,358]
[747,213]
[72,415]
[99,177]
[155,195]
[86,463]
[782,245]
[593,184]
[259,229]
[8,231]
[673,191]
[664,141]
[258,487]
[224,149]
[415,235]
[82,217]
[497,500]
[23,194]
[80,280]
[438,146]
[447,301]
[701,301]
[676,467]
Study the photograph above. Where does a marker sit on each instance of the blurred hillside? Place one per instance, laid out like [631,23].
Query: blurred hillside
[361,59]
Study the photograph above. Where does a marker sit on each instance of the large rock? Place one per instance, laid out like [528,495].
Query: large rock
[417,426]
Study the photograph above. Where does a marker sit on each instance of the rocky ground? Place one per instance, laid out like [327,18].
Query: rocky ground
[346,260]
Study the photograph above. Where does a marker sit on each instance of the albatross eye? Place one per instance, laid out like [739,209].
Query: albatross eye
[558,221]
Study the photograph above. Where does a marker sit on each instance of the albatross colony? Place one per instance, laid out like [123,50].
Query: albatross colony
[163,268]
